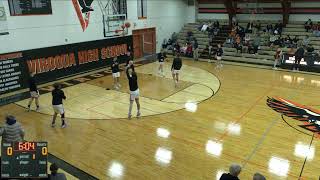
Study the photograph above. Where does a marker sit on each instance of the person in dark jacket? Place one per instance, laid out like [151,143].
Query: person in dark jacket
[12,131]
[57,105]
[34,93]
[134,90]
[308,25]
[233,174]
[175,68]
[298,56]
[54,173]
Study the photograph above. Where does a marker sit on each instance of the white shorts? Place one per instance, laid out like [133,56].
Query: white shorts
[219,58]
[34,94]
[175,71]
[134,94]
[161,63]
[116,75]
[58,109]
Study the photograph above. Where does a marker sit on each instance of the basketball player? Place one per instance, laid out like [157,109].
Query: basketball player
[57,98]
[115,73]
[219,54]
[161,58]
[134,90]
[34,93]
[175,68]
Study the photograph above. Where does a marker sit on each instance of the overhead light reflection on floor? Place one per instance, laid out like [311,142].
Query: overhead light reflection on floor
[214,148]
[315,82]
[234,129]
[191,106]
[162,132]
[304,150]
[287,78]
[163,156]
[116,170]
[279,166]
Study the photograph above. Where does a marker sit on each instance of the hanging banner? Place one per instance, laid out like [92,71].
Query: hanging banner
[3,21]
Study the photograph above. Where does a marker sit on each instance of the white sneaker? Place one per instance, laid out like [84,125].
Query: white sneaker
[38,109]
[138,115]
[63,125]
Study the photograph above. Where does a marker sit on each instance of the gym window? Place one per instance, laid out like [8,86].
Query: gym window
[142,9]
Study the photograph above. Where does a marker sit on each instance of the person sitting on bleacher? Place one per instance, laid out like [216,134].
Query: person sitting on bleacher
[316,29]
[256,44]
[306,41]
[258,26]
[295,41]
[308,25]
[269,28]
[287,41]
[238,44]
[249,27]
[189,50]
[278,28]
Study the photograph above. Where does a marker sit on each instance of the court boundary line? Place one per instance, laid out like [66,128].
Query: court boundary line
[305,159]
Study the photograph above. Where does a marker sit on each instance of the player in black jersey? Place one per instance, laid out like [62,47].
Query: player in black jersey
[161,58]
[134,90]
[115,73]
[219,54]
[175,68]
[57,104]
[34,93]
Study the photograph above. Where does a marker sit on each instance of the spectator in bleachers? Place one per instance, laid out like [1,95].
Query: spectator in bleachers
[195,50]
[189,50]
[295,41]
[258,176]
[277,58]
[269,28]
[247,39]
[258,25]
[176,48]
[288,41]
[216,24]
[54,173]
[308,25]
[238,44]
[234,171]
[306,41]
[272,40]
[316,29]
[12,130]
[174,37]
[256,44]
[278,28]
[204,27]
[249,27]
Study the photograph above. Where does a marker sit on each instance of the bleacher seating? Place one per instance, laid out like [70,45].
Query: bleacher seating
[265,54]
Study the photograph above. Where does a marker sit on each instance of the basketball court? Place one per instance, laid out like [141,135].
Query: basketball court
[244,112]
[191,132]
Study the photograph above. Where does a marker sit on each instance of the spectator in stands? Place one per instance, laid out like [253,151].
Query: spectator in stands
[204,27]
[308,25]
[256,44]
[196,50]
[277,58]
[316,29]
[176,48]
[189,50]
[174,37]
[287,41]
[54,173]
[12,130]
[272,40]
[234,171]
[238,44]
[249,27]
[258,25]
[298,56]
[269,28]
[258,176]
[216,24]
[306,41]
[278,28]
[295,41]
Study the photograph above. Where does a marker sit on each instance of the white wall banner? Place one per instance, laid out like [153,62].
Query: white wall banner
[3,21]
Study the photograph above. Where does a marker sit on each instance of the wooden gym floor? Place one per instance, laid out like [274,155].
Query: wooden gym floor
[195,131]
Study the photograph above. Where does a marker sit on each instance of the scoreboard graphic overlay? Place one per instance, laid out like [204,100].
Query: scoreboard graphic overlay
[24,160]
